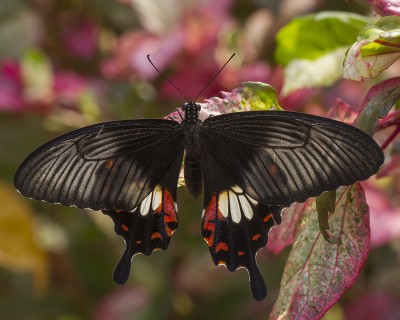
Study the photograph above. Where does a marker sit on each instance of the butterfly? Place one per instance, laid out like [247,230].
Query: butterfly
[251,165]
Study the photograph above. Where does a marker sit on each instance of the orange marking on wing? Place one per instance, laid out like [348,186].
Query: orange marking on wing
[241,253]
[124,227]
[256,237]
[222,262]
[273,169]
[138,242]
[169,212]
[221,246]
[117,211]
[156,235]
[209,220]
[268,217]
[169,231]
[109,164]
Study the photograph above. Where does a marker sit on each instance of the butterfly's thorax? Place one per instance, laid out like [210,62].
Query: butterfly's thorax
[192,168]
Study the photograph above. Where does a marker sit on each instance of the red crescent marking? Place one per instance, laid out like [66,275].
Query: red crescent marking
[221,246]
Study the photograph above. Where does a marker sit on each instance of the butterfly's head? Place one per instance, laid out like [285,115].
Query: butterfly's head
[191,110]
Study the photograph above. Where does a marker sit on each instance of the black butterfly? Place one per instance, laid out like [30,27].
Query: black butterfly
[252,165]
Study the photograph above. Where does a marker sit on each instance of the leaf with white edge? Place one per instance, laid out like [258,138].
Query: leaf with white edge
[377,48]
[321,72]
[313,36]
[377,104]
[318,272]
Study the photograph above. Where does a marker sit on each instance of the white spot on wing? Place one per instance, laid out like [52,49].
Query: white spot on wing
[253,201]
[237,189]
[223,203]
[157,197]
[246,207]
[145,206]
[234,206]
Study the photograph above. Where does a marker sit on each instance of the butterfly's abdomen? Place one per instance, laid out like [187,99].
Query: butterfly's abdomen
[193,176]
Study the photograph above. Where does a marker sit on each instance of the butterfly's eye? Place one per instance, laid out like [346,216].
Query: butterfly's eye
[185,106]
[198,107]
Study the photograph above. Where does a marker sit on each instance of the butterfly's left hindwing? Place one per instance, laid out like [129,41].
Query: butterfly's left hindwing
[235,226]
[148,227]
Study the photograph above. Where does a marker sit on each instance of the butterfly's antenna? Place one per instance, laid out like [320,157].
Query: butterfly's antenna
[148,58]
[216,75]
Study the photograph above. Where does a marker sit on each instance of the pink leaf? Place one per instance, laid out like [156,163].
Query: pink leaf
[283,236]
[385,218]
[318,272]
[122,304]
[342,111]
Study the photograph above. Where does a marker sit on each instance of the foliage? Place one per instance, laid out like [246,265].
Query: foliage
[66,64]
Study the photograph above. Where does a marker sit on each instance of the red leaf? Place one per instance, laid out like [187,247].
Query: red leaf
[318,272]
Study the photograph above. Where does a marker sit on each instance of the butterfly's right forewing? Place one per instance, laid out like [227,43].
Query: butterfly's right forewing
[107,166]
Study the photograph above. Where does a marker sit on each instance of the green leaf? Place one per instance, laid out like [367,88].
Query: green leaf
[325,204]
[258,96]
[37,75]
[377,104]
[312,36]
[312,48]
